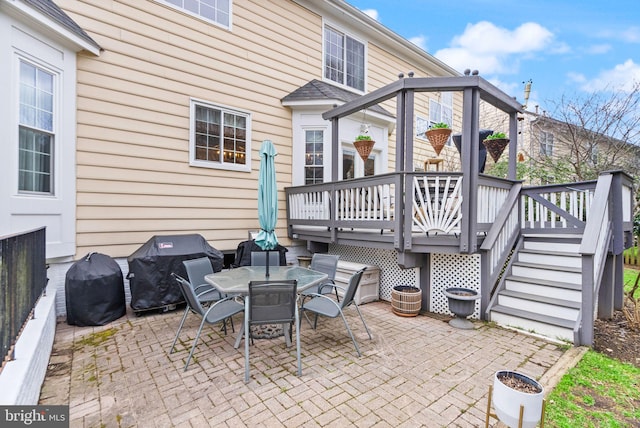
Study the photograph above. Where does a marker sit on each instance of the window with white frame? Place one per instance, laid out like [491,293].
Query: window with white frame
[220,137]
[344,60]
[218,11]
[313,156]
[353,167]
[546,143]
[36,130]
[442,110]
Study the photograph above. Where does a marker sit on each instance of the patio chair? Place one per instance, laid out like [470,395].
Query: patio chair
[207,293]
[325,263]
[271,302]
[196,271]
[217,312]
[259,258]
[320,304]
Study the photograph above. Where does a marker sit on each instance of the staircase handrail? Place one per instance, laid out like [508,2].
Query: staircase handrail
[498,243]
[596,240]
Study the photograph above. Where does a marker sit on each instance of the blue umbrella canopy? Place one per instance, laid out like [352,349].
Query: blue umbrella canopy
[267,198]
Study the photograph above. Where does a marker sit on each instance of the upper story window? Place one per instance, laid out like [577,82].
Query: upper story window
[313,156]
[546,143]
[218,11]
[220,137]
[441,111]
[343,59]
[36,130]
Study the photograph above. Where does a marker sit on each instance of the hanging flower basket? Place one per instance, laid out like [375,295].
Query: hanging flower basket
[495,147]
[364,148]
[438,138]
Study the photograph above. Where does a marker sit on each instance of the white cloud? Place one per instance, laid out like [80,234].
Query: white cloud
[599,49]
[631,35]
[420,41]
[621,77]
[492,49]
[372,13]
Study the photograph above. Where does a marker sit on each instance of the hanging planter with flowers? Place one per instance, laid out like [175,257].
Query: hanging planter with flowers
[364,144]
[495,144]
[438,134]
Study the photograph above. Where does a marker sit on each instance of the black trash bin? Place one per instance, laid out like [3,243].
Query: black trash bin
[151,265]
[94,291]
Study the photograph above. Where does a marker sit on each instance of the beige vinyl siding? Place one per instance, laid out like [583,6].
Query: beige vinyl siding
[134,178]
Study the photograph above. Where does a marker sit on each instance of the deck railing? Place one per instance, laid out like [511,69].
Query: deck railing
[23,278]
[561,207]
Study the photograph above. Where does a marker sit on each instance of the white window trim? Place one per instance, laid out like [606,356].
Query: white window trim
[200,17]
[192,140]
[366,55]
[26,211]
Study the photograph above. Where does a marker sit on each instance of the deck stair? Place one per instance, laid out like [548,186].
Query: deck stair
[542,292]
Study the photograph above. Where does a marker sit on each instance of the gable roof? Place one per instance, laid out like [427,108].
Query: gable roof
[317,90]
[49,16]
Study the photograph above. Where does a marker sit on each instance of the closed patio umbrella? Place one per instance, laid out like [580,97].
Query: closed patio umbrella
[267,199]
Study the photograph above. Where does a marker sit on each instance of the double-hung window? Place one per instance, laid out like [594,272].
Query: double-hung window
[343,59]
[546,143]
[218,11]
[314,156]
[36,130]
[442,111]
[220,137]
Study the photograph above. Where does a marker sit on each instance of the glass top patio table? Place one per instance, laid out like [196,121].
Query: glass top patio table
[236,281]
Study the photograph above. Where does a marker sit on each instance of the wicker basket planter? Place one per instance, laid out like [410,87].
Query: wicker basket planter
[364,148]
[495,147]
[438,138]
[406,300]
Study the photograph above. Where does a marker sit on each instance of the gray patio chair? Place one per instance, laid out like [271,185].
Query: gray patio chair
[320,304]
[259,258]
[325,263]
[196,271]
[207,293]
[271,302]
[217,312]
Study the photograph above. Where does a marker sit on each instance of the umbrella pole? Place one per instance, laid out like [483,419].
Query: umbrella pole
[267,270]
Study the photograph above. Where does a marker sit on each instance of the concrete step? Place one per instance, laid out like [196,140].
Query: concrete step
[552,289]
[542,305]
[531,322]
[552,273]
[549,257]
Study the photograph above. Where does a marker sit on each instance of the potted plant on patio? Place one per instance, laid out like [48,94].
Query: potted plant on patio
[462,303]
[364,144]
[438,134]
[517,399]
[406,300]
[495,144]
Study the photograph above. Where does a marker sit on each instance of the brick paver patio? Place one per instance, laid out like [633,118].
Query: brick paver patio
[417,371]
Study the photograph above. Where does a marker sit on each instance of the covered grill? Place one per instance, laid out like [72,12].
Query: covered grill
[151,265]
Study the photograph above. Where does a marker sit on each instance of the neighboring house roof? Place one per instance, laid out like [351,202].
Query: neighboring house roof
[47,10]
[317,90]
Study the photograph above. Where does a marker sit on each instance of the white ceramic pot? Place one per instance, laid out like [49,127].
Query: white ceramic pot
[507,401]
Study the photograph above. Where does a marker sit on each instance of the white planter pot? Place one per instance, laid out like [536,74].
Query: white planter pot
[507,401]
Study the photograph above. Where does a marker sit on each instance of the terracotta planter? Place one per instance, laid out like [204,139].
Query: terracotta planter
[495,147]
[364,148]
[507,400]
[462,303]
[438,138]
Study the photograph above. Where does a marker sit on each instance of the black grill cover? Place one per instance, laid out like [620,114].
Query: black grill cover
[94,291]
[151,265]
[243,253]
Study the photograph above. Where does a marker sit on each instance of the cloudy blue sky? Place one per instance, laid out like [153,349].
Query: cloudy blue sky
[566,47]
